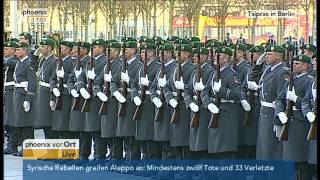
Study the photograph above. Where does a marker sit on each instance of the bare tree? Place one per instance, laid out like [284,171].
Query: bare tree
[281,5]
[253,5]
[306,5]
[191,10]
[220,9]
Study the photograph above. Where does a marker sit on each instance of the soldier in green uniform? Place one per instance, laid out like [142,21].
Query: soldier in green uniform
[46,67]
[23,98]
[310,50]
[308,106]
[125,125]
[162,125]
[10,62]
[270,84]
[251,128]
[296,148]
[109,120]
[61,117]
[144,127]
[199,135]
[223,140]
[241,67]
[92,118]
[180,131]
[77,118]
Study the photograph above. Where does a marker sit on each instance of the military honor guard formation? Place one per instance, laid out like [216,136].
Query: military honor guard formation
[174,98]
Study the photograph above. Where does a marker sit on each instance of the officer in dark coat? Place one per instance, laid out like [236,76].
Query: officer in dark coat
[46,67]
[23,98]
[250,129]
[61,117]
[296,148]
[126,126]
[92,117]
[241,67]
[77,118]
[109,120]
[10,62]
[180,131]
[223,140]
[309,108]
[199,135]
[144,126]
[270,84]
[162,124]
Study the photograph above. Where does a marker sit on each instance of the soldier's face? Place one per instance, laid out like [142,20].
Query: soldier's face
[223,59]
[113,53]
[21,52]
[272,57]
[96,50]
[203,58]
[308,53]
[129,52]
[22,39]
[167,55]
[299,67]
[83,51]
[184,56]
[65,50]
[255,56]
[8,51]
[239,55]
[149,55]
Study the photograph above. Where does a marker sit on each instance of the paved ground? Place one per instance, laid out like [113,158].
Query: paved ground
[13,166]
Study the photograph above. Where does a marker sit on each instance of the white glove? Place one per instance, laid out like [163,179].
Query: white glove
[156,101]
[217,86]
[213,108]
[37,52]
[311,117]
[246,106]
[291,95]
[282,117]
[102,97]
[252,85]
[162,81]
[173,103]
[137,101]
[74,93]
[194,107]
[84,93]
[261,59]
[56,92]
[60,73]
[77,73]
[277,129]
[119,97]
[144,81]
[90,74]
[26,106]
[125,77]
[107,77]
[179,84]
[52,104]
[199,85]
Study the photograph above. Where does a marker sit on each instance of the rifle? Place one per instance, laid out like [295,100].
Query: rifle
[211,56]
[87,102]
[215,117]
[247,117]
[106,91]
[195,118]
[137,113]
[58,104]
[122,106]
[159,111]
[175,115]
[76,101]
[285,128]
